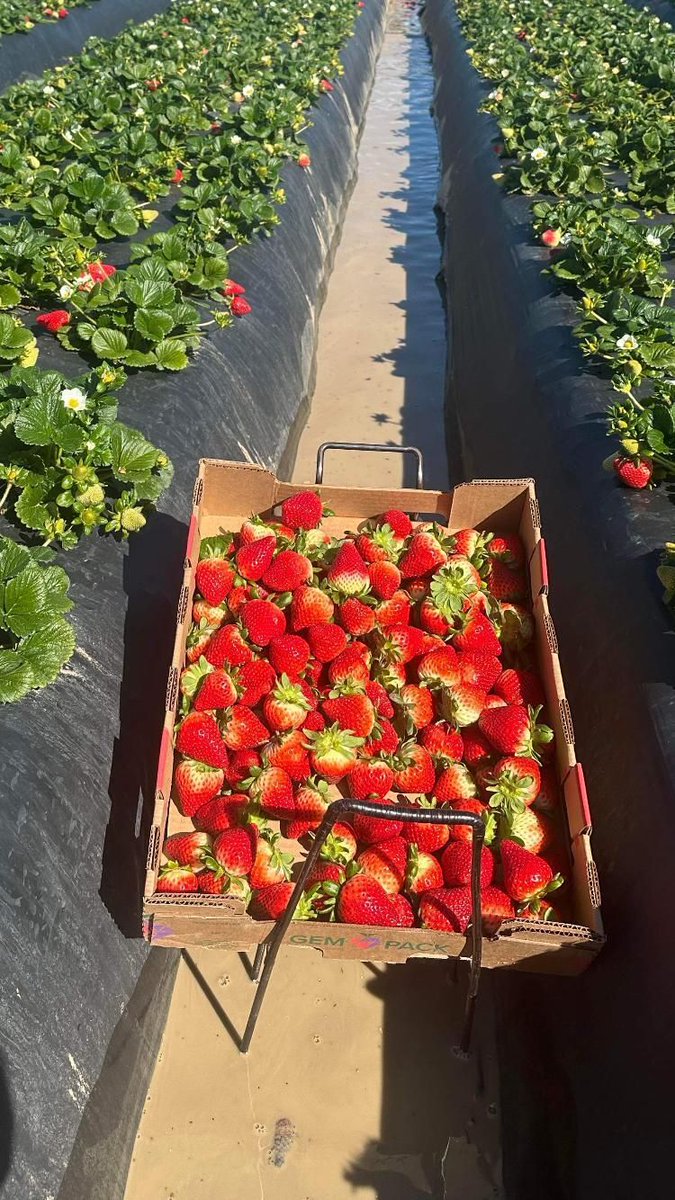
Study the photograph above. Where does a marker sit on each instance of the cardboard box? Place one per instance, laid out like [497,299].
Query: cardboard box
[225,494]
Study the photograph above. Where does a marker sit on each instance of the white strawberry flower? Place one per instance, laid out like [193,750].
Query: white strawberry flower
[66,290]
[538,153]
[248,90]
[627,342]
[74,399]
[653,239]
[235,139]
[48,90]
[139,112]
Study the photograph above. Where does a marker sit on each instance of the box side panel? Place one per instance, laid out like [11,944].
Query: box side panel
[234,487]
[494,504]
[557,703]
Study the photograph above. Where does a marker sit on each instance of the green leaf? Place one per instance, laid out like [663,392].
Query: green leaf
[23,597]
[56,584]
[9,296]
[16,677]
[131,455]
[124,222]
[109,343]
[30,507]
[46,650]
[13,558]
[45,421]
[171,355]
[153,323]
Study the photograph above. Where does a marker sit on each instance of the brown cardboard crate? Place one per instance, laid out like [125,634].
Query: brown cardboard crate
[225,494]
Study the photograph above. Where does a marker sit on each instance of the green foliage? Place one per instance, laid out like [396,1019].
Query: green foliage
[35,637]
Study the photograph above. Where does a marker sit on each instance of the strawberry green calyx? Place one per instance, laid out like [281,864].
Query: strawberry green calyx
[192,676]
[287,692]
[215,547]
[540,735]
[452,586]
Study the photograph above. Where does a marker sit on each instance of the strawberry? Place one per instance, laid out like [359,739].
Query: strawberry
[217,883]
[378,545]
[349,668]
[439,668]
[395,611]
[326,641]
[476,633]
[516,625]
[288,751]
[314,722]
[227,648]
[253,558]
[370,779]
[380,698]
[369,829]
[399,522]
[177,879]
[495,907]
[464,833]
[270,903]
[217,691]
[270,865]
[214,576]
[505,583]
[515,783]
[470,543]
[326,872]
[237,598]
[548,799]
[333,752]
[442,741]
[385,579]
[289,654]
[455,783]
[402,913]
[520,687]
[310,606]
[348,574]
[423,871]
[453,585]
[218,814]
[634,472]
[304,510]
[418,589]
[456,865]
[340,845]
[446,909]
[513,729]
[392,676]
[234,850]
[288,572]
[386,862]
[213,614]
[263,621]
[286,706]
[198,639]
[477,750]
[354,712]
[199,737]
[363,901]
[507,548]
[355,617]
[400,643]
[414,769]
[272,790]
[386,741]
[432,619]
[195,783]
[417,707]
[254,529]
[311,801]
[527,877]
[533,830]
[187,849]
[462,704]
[255,679]
[479,668]
[424,554]
[242,729]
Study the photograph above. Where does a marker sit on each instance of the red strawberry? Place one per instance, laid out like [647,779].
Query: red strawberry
[286,706]
[270,865]
[395,611]
[386,862]
[289,751]
[198,639]
[470,543]
[533,830]
[426,836]
[234,850]
[439,668]
[353,712]
[363,901]
[634,472]
[195,783]
[213,614]
[378,545]
[356,618]
[423,871]
[217,883]
[403,915]
[272,789]
[217,691]
[227,648]
[177,879]
[304,510]
[520,687]
[507,548]
[253,558]
[399,522]
[527,877]
[515,783]
[455,783]
[220,813]
[400,643]
[513,729]
[314,722]
[477,750]
[349,669]
[385,579]
[288,572]
[505,583]
[310,606]
[495,907]
[516,625]
[199,737]
[187,849]
[456,864]
[240,766]
[289,654]
[380,698]
[462,704]
[386,741]
[479,668]
[255,679]
[340,845]
[464,833]
[214,576]
[454,585]
[446,908]
[432,619]
[311,801]
[417,707]
[326,641]
[333,752]
[238,597]
[370,779]
[270,903]
[242,729]
[414,769]
[443,741]
[424,554]
[418,589]
[263,621]
[376,829]
[347,574]
[476,633]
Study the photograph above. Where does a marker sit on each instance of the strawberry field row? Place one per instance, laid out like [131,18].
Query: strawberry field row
[20,16]
[198,110]
[583,96]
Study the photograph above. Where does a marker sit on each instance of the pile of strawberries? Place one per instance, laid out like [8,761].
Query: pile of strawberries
[395,663]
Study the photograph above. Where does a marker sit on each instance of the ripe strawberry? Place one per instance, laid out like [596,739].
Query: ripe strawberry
[255,679]
[289,654]
[263,621]
[348,574]
[513,729]
[214,577]
[456,865]
[270,864]
[476,633]
[477,750]
[217,691]
[400,643]
[253,558]
[363,901]
[370,829]
[505,583]
[516,625]
[240,766]
[288,751]
[432,619]
[242,729]
[442,741]
[533,830]
[199,737]
[213,614]
[402,913]
[340,845]
[234,850]
[527,877]
[548,799]
[286,706]
[423,871]
[455,782]
[227,648]
[417,707]
[349,669]
[310,606]
[187,849]
[354,712]
[355,617]
[270,903]
[479,668]
[326,872]
[272,790]
[392,676]
[515,783]
[198,639]
[446,909]
[254,529]
[439,668]
[177,879]
[218,814]
[333,752]
[493,701]
[383,741]
[386,862]
[495,907]
[326,641]
[414,769]
[454,585]
[507,548]
[464,833]
[380,698]
[378,545]
[634,472]
[470,543]
[304,510]
[217,883]
[385,579]
[395,611]
[399,522]
[314,722]
[238,597]
[311,801]
[288,572]
[418,589]
[462,704]
[370,779]
[195,783]
[520,687]
[424,554]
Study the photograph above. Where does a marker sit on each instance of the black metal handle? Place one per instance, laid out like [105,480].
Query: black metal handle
[338,810]
[377,448]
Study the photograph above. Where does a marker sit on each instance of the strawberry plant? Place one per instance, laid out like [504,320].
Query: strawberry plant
[20,16]
[35,637]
